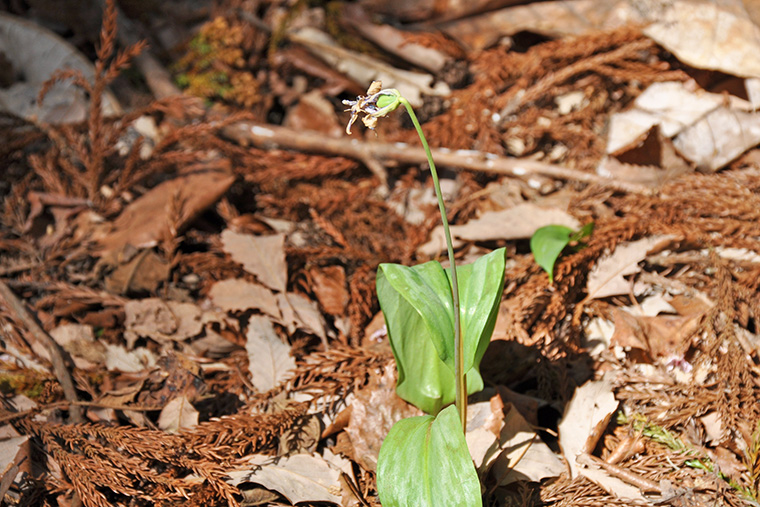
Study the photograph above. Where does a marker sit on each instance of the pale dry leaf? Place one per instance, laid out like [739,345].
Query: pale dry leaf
[119,358]
[162,321]
[299,312]
[525,456]
[299,478]
[552,19]
[178,414]
[719,138]
[607,277]
[709,34]
[670,105]
[34,53]
[518,222]
[269,359]
[262,256]
[482,441]
[236,295]
[79,341]
[585,418]
[9,449]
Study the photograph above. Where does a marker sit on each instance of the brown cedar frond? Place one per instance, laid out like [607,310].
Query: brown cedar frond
[107,32]
[123,60]
[75,75]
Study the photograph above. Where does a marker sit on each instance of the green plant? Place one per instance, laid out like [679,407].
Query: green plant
[438,343]
[548,242]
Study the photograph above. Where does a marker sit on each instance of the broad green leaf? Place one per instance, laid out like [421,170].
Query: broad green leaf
[480,287]
[424,462]
[547,243]
[418,309]
[426,289]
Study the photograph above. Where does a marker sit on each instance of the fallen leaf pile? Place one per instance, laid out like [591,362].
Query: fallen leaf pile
[188,257]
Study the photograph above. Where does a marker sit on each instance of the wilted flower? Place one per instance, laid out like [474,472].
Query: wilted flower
[368,105]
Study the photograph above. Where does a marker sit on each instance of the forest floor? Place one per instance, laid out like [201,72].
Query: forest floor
[189,244]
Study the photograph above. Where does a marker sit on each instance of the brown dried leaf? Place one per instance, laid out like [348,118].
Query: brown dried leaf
[235,295]
[374,411]
[330,288]
[262,256]
[177,415]
[299,478]
[150,220]
[269,359]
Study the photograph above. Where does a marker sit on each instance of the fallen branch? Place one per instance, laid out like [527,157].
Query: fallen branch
[274,137]
[15,305]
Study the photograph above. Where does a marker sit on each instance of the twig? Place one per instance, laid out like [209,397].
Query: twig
[56,353]
[272,137]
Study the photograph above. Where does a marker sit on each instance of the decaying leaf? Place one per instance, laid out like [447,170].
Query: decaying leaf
[585,419]
[160,320]
[262,256]
[236,295]
[374,411]
[606,279]
[299,478]
[269,359]
[177,415]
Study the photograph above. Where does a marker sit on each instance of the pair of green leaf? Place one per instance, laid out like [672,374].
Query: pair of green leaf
[548,242]
[419,314]
[424,461]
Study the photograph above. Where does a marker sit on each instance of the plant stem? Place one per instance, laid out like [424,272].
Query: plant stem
[459,374]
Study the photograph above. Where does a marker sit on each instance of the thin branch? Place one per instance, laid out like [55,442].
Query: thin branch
[272,137]
[56,353]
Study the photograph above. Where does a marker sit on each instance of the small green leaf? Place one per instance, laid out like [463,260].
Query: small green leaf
[547,243]
[424,461]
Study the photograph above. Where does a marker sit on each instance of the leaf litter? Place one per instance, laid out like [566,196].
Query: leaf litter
[209,298]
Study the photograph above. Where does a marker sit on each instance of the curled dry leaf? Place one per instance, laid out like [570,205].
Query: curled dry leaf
[262,256]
